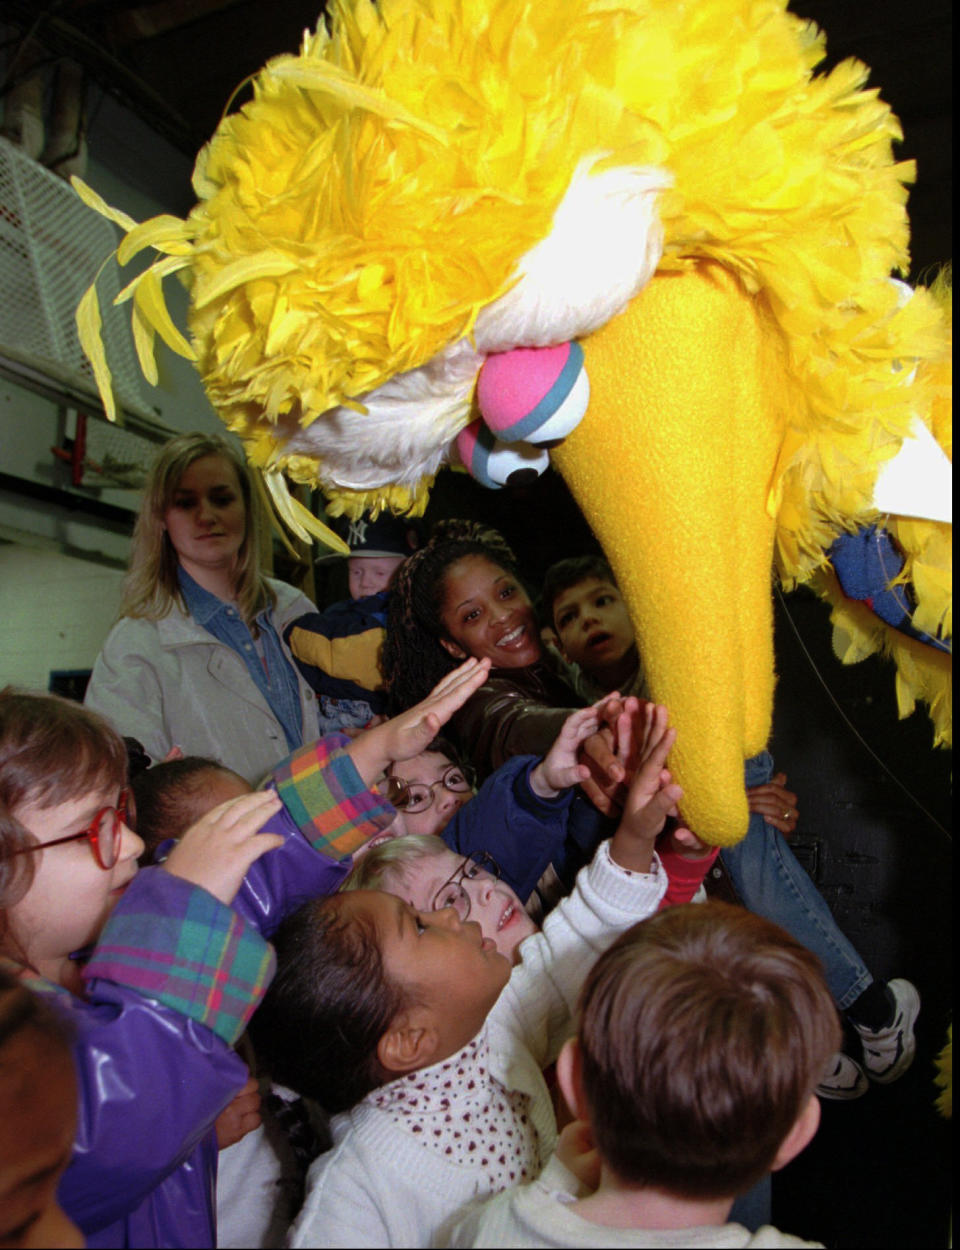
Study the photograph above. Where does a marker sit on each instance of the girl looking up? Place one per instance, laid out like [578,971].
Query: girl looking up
[432,1043]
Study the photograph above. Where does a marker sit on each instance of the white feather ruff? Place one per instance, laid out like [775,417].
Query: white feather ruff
[604,246]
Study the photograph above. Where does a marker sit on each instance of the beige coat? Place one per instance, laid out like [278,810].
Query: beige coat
[170,683]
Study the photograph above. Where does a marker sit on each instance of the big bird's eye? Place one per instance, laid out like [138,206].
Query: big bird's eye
[494,463]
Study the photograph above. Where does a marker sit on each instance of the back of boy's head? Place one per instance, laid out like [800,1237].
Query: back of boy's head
[704,1031]
[173,795]
[328,1006]
[568,573]
[52,750]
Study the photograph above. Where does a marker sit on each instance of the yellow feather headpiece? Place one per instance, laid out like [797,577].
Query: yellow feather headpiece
[380,192]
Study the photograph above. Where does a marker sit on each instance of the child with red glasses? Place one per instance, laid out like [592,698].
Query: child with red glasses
[180,957]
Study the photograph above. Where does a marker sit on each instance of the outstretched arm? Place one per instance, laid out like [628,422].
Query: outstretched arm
[404,736]
[559,769]
[652,796]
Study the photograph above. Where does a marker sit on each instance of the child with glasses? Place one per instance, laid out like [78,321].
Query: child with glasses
[424,871]
[519,815]
[179,959]
[517,819]
[432,1043]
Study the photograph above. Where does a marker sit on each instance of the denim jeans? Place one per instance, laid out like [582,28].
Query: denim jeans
[753,1209]
[771,882]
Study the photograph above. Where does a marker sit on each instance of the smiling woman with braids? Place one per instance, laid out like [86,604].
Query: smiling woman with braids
[460,595]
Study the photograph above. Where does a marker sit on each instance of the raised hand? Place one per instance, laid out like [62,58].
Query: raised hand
[217,851]
[559,769]
[613,752]
[406,735]
[652,797]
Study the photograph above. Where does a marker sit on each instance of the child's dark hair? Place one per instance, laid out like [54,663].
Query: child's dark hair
[138,760]
[704,1031]
[328,1006]
[567,573]
[22,1010]
[51,750]
[412,659]
[168,798]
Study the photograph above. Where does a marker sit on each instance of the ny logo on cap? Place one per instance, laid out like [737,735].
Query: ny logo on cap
[357,533]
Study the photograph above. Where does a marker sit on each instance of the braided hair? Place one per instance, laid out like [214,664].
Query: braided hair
[413,659]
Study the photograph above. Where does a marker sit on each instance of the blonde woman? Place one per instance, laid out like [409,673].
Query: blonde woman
[197,659]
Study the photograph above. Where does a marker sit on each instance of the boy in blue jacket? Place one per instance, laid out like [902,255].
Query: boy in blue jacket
[338,650]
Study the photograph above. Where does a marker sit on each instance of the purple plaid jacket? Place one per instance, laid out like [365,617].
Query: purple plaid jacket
[171,984]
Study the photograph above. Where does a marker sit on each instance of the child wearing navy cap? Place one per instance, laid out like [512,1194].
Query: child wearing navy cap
[338,650]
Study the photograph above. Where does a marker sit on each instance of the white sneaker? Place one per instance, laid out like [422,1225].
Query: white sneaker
[888,1052]
[843,1079]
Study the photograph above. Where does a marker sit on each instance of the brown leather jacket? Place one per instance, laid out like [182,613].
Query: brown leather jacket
[517,711]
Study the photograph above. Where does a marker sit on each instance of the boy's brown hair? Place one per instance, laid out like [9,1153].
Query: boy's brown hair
[566,574]
[704,1031]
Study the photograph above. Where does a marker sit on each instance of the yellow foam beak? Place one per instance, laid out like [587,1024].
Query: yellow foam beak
[672,466]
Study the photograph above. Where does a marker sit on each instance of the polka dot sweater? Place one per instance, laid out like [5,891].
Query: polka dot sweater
[459,1111]
[390,1179]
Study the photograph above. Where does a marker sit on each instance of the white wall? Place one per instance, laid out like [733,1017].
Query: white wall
[58,597]
[56,612]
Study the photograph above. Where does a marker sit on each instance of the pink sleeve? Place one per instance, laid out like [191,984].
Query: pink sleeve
[684,876]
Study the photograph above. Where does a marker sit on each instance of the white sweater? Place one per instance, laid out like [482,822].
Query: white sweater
[378,1186]
[541,1214]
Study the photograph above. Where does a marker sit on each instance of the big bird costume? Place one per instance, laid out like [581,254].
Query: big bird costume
[651,214]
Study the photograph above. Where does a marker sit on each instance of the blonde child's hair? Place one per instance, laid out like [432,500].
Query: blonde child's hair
[385,864]
[152,587]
